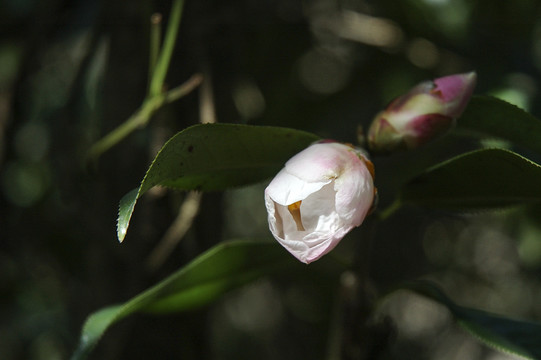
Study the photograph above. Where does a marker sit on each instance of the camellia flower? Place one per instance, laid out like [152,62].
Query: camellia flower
[426,111]
[318,197]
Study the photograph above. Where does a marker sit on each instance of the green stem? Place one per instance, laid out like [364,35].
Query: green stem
[159,64]
[142,116]
[139,119]
[164,58]
[155,40]
[184,89]
[389,210]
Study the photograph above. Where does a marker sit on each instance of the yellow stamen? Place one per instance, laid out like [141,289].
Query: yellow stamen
[295,211]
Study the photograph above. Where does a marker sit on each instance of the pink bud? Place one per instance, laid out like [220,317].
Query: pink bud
[426,111]
[318,197]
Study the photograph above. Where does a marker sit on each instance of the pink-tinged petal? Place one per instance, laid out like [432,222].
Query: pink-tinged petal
[398,103]
[427,127]
[321,244]
[382,134]
[354,195]
[425,112]
[318,162]
[321,194]
[419,104]
[453,87]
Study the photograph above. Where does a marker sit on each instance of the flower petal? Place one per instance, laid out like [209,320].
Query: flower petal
[319,162]
[423,113]
[355,194]
[287,189]
[320,195]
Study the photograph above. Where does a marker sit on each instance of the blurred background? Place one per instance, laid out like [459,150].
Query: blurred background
[73,70]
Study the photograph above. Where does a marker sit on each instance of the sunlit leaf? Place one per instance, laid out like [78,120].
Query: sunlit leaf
[216,157]
[222,268]
[489,116]
[521,338]
[477,180]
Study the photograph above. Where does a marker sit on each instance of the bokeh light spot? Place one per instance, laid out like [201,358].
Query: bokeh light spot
[248,100]
[24,184]
[423,53]
[323,72]
[32,142]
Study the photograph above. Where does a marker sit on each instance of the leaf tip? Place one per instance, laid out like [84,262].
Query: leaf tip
[125,210]
[121,233]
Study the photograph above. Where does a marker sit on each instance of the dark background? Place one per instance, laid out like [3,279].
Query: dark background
[71,71]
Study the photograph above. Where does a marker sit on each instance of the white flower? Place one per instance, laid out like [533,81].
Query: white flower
[318,197]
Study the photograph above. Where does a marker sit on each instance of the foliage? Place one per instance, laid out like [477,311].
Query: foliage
[92,95]
[215,157]
[202,281]
[519,338]
[482,179]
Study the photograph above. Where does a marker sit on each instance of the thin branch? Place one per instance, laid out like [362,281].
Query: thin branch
[142,116]
[184,89]
[207,110]
[155,42]
[162,65]
[139,119]
[155,97]
[177,230]
[190,206]
[389,210]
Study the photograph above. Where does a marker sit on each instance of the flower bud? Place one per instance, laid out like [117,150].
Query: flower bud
[318,197]
[426,111]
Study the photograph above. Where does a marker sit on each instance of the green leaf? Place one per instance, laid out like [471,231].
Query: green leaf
[222,268]
[522,338]
[489,116]
[477,180]
[216,157]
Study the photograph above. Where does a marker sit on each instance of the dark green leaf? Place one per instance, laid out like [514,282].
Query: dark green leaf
[216,157]
[522,338]
[222,268]
[477,180]
[488,116]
